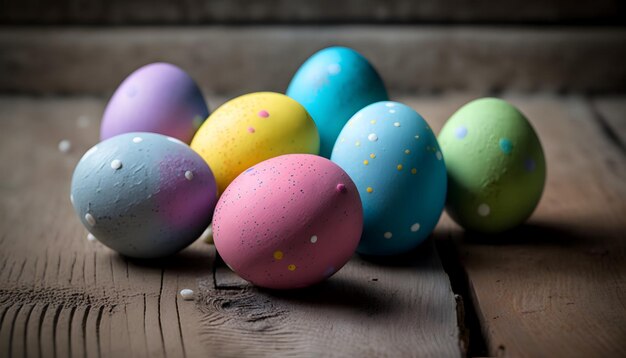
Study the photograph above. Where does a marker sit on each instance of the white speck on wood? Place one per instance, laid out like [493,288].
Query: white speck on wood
[186,294]
[65,146]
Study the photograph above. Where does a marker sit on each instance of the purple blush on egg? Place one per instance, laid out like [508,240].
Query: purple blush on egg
[159,98]
[185,179]
[144,195]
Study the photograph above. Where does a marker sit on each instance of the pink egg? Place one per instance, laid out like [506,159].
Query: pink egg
[288,222]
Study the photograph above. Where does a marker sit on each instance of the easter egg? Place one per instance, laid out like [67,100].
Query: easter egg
[393,157]
[143,195]
[250,129]
[159,98]
[332,85]
[496,168]
[288,222]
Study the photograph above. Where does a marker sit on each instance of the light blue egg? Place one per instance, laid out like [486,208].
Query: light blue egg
[393,157]
[333,85]
[144,195]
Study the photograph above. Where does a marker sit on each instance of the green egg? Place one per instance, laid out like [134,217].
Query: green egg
[495,163]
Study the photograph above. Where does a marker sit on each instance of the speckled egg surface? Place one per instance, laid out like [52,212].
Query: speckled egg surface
[496,167]
[392,155]
[288,222]
[159,98]
[332,85]
[144,195]
[250,129]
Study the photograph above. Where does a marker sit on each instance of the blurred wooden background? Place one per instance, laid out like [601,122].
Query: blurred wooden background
[234,47]
[120,12]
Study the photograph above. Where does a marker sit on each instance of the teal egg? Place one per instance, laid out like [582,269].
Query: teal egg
[393,157]
[333,85]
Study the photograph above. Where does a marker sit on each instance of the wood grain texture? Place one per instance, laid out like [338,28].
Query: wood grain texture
[611,113]
[556,286]
[371,308]
[61,295]
[294,11]
[235,60]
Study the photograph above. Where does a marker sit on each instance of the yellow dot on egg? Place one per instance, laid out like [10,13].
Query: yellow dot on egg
[366,162]
[369,189]
[291,267]
[413,171]
[278,255]
[406,151]
[357,143]
[343,140]
[373,121]
[399,167]
[372,155]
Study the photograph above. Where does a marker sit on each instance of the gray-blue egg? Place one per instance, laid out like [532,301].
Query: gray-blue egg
[144,195]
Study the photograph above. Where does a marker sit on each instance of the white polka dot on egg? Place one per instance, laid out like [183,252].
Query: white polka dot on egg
[116,164]
[189,175]
[137,140]
[334,68]
[372,137]
[313,239]
[415,227]
[484,209]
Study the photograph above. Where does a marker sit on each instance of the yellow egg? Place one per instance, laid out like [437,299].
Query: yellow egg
[250,129]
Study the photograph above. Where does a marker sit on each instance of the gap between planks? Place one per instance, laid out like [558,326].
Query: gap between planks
[555,286]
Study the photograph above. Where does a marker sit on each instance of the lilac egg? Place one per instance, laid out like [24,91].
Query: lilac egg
[144,195]
[159,98]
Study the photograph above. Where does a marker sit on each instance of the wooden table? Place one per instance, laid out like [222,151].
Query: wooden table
[553,287]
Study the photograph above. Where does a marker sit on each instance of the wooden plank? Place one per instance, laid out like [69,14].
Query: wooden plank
[555,286]
[296,11]
[65,296]
[235,60]
[402,297]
